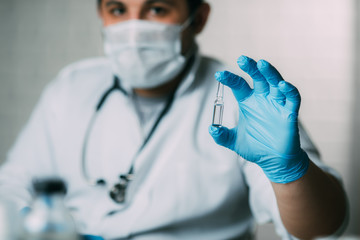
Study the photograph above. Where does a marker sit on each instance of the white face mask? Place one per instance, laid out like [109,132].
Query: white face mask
[144,54]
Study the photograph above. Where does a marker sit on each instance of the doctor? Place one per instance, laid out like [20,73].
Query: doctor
[129,134]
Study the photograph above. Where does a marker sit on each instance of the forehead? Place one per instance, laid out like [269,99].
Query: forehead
[143,2]
[179,6]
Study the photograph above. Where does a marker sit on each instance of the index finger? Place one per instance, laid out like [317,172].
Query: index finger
[238,85]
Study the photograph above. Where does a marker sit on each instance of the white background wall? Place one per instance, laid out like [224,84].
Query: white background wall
[314,44]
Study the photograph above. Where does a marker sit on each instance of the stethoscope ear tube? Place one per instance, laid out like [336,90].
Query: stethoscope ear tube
[115,86]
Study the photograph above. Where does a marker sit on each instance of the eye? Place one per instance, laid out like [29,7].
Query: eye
[158,11]
[118,11]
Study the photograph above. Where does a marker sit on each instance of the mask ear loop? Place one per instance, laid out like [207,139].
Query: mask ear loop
[183,27]
[187,23]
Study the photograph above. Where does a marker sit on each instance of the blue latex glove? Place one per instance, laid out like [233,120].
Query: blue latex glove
[267,132]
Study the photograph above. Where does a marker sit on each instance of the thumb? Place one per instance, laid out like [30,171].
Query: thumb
[223,136]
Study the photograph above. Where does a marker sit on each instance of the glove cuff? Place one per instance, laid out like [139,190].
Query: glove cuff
[291,172]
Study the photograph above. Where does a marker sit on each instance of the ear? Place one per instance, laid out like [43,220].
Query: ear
[201,17]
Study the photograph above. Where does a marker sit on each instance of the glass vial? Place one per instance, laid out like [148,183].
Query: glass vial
[218,106]
[48,218]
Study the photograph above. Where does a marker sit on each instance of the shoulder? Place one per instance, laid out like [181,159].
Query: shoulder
[211,64]
[89,73]
[86,67]
[79,80]
[204,71]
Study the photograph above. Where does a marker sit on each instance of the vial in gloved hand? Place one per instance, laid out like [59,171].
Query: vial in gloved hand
[218,106]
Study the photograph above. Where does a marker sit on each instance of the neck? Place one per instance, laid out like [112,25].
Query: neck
[162,90]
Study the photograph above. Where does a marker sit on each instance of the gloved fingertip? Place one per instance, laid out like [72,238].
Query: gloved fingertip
[217,133]
[261,64]
[242,60]
[293,117]
[222,136]
[223,76]
[213,130]
[285,86]
[282,84]
[218,75]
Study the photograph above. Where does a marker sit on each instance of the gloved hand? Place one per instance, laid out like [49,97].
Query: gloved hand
[267,132]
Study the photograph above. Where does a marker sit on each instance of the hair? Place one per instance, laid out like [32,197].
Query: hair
[193,4]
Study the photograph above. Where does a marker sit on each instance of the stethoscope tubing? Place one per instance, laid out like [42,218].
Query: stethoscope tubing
[124,179]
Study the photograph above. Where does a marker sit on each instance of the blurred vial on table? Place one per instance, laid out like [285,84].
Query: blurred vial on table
[48,218]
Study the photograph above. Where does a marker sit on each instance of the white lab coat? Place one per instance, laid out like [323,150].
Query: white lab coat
[186,186]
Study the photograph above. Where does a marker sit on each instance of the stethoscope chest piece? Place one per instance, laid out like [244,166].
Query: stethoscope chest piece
[118,191]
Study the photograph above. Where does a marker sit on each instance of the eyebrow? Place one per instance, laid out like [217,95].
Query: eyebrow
[169,2]
[148,2]
[109,3]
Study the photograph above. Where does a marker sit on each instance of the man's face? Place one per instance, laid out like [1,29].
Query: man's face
[165,11]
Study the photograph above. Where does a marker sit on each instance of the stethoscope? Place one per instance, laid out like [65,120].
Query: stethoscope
[118,191]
